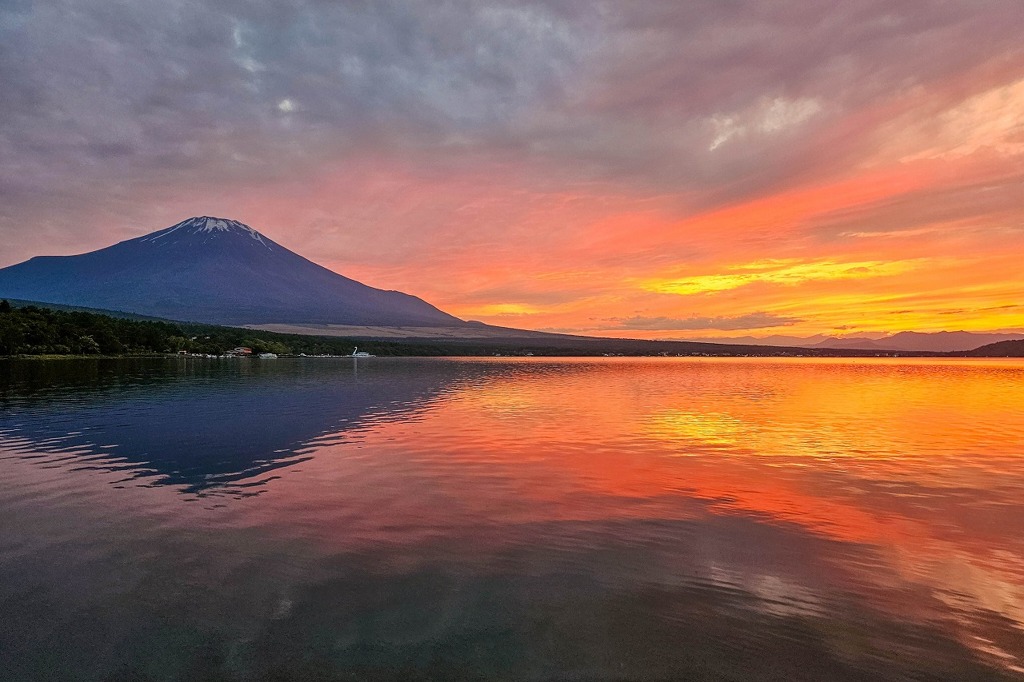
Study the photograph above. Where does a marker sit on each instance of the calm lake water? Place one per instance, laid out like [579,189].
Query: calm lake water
[535,519]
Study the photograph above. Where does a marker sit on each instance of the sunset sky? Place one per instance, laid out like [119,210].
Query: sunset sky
[675,169]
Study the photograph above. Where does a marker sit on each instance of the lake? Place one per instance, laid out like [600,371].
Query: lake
[512,519]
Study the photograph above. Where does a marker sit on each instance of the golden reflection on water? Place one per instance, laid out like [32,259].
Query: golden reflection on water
[796,483]
[706,428]
[921,461]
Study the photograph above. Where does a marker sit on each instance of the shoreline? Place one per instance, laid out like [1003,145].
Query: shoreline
[956,355]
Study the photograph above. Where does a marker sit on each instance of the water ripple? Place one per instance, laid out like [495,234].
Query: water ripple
[513,519]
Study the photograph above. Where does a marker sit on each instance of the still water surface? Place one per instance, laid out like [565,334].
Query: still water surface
[532,519]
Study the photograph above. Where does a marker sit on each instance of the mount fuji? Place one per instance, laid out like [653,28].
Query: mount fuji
[216,271]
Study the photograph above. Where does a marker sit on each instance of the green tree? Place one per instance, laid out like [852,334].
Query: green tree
[177,343]
[11,337]
[87,345]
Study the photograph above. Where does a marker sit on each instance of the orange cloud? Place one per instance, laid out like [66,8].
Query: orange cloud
[786,272]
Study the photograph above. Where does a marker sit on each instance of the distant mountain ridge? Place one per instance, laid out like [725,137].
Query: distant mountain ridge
[217,271]
[938,342]
[1000,349]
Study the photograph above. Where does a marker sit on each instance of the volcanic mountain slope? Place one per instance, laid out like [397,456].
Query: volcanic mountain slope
[217,271]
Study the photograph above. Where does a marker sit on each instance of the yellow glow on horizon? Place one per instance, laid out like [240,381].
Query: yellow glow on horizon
[786,272]
[501,309]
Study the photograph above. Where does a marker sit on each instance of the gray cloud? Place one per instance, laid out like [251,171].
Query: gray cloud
[779,80]
[148,91]
[106,102]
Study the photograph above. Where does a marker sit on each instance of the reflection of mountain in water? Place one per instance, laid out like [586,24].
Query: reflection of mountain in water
[204,425]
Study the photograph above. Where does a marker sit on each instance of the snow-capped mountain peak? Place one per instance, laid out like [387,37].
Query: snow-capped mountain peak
[207,226]
[213,270]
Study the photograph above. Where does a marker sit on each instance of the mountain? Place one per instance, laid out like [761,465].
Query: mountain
[942,341]
[937,342]
[217,271]
[858,343]
[1000,349]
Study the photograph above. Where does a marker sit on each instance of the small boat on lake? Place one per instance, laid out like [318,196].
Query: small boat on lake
[356,353]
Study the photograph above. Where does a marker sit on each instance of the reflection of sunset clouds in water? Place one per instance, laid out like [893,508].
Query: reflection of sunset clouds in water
[846,499]
[918,461]
[698,428]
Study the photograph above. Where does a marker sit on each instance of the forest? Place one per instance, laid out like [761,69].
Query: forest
[35,330]
[38,330]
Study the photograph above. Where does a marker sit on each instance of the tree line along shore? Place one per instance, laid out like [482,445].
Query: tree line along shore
[37,331]
[30,330]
